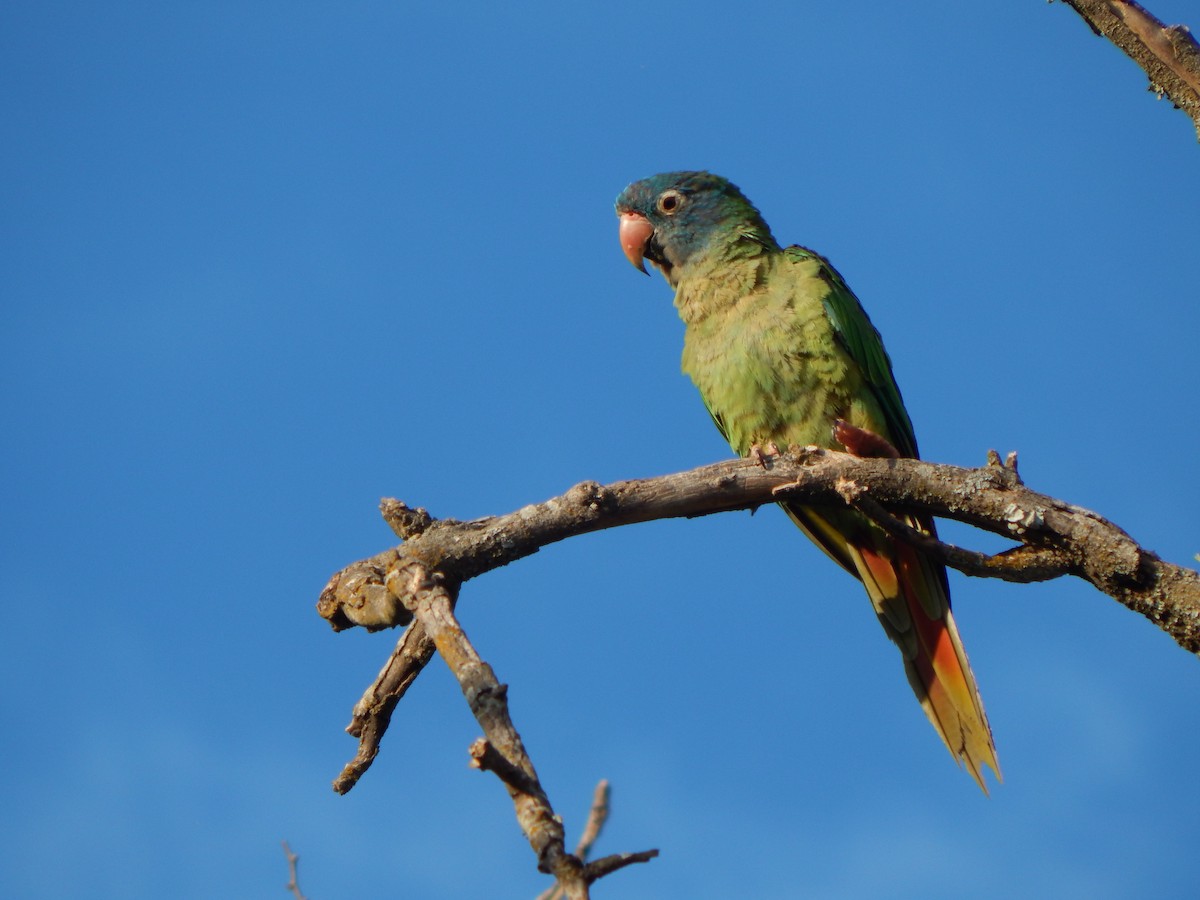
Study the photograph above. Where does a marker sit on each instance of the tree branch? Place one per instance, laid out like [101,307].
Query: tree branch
[1062,539]
[417,583]
[597,816]
[293,884]
[373,712]
[1168,54]
[429,598]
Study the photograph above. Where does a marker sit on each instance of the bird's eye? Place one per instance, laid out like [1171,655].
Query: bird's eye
[669,202]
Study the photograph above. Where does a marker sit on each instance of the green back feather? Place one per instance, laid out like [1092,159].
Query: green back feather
[859,338]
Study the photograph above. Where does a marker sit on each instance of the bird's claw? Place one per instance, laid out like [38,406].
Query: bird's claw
[762,453]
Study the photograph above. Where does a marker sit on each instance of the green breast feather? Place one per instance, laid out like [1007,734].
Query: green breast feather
[780,348]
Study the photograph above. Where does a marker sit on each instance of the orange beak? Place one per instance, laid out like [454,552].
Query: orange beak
[635,234]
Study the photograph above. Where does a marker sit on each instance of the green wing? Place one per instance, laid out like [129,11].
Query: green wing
[858,337]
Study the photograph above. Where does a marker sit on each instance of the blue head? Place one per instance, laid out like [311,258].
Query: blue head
[675,217]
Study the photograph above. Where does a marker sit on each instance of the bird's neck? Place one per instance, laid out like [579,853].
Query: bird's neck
[713,281]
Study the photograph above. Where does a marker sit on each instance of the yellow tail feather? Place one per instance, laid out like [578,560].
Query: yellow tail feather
[910,599]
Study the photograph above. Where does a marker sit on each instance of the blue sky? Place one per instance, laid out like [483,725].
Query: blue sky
[265,263]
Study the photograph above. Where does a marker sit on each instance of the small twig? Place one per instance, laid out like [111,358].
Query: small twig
[373,712]
[597,816]
[487,758]
[293,884]
[606,865]
[1022,564]
[403,519]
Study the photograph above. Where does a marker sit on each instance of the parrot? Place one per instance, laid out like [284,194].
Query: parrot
[784,354]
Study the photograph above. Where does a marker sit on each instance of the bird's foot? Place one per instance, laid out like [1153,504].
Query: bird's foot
[860,442]
[763,453]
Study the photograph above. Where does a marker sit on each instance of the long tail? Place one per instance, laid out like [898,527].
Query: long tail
[912,600]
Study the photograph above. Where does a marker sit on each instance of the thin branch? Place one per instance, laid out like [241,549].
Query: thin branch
[1168,54]
[373,712]
[487,758]
[431,601]
[1023,564]
[597,816]
[606,865]
[430,598]
[293,884]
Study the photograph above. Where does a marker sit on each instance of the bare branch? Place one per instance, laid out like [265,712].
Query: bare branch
[597,816]
[430,599]
[293,884]
[418,582]
[606,865]
[487,758]
[373,712]
[1022,564]
[1064,539]
[1168,54]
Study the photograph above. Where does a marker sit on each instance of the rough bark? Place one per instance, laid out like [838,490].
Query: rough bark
[1168,54]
